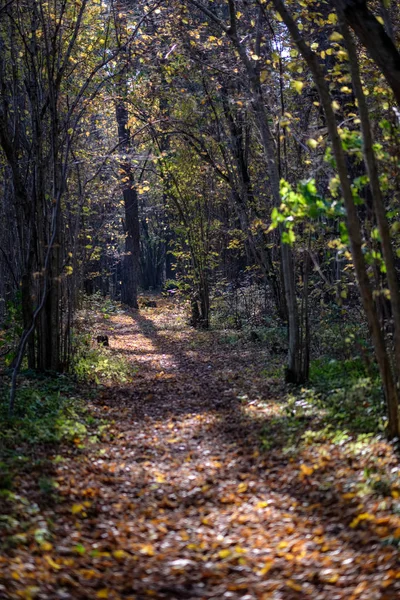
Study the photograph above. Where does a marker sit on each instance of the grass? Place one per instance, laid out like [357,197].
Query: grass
[342,402]
[46,411]
[96,364]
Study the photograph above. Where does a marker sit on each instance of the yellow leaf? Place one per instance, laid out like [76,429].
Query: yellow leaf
[294,586]
[366,517]
[102,593]
[77,508]
[52,563]
[29,593]
[88,573]
[298,85]
[332,18]
[381,21]
[336,37]
[331,578]
[335,105]
[46,546]
[242,487]
[224,553]
[119,554]
[312,143]
[361,517]
[395,494]
[268,566]
[148,550]
[306,470]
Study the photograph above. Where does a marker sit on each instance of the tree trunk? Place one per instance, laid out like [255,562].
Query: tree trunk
[373,36]
[131,261]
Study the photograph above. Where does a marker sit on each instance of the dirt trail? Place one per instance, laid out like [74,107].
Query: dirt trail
[179,500]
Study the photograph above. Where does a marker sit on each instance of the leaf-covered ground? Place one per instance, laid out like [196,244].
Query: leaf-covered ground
[197,489]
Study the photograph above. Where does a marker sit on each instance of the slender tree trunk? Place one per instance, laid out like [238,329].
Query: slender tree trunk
[131,260]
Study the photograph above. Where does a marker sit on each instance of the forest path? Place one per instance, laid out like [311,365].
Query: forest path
[179,500]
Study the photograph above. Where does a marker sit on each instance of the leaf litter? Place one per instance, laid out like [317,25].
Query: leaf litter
[178,498]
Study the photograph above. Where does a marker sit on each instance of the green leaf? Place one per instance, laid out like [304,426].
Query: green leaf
[288,237]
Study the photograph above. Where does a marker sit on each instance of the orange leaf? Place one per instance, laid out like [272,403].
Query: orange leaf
[306,470]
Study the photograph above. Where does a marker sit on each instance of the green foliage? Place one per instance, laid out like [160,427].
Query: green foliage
[47,485]
[325,373]
[232,338]
[44,414]
[358,405]
[96,363]
[340,334]
[349,395]
[303,203]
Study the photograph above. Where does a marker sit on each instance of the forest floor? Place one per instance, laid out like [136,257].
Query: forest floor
[196,489]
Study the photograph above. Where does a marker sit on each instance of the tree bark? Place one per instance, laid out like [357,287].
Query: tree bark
[373,36]
[131,259]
